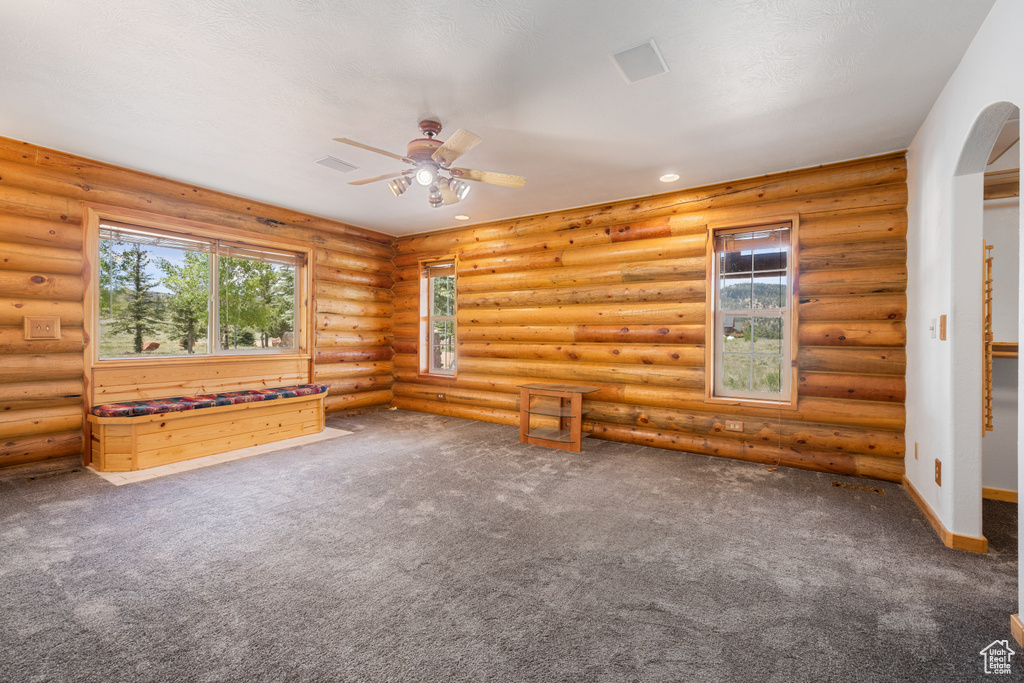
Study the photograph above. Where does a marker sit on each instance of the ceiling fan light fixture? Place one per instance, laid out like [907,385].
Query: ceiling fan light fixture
[460,188]
[426,175]
[436,200]
[669,178]
[398,186]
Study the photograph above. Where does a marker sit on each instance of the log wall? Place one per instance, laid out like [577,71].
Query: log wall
[614,296]
[42,206]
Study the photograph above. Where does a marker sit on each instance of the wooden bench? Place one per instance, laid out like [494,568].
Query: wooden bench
[134,435]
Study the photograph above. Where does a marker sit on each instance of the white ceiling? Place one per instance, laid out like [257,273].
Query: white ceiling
[245,95]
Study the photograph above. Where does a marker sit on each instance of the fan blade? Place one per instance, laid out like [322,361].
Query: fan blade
[372,149]
[458,144]
[447,194]
[375,178]
[503,179]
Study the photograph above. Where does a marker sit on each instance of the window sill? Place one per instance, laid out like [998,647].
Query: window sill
[751,402]
[199,360]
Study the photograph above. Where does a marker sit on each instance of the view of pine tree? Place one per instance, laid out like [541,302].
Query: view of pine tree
[189,302]
[759,296]
[109,268]
[141,313]
[254,296]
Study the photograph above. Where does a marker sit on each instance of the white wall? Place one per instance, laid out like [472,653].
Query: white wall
[943,377]
[999,447]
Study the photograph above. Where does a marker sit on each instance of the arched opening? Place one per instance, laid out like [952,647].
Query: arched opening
[967,356]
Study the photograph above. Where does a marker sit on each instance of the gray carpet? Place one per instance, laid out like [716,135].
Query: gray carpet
[430,549]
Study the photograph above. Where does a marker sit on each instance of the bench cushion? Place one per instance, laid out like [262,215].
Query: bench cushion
[181,403]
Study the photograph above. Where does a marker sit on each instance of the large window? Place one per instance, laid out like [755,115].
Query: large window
[753,339]
[168,294]
[437,318]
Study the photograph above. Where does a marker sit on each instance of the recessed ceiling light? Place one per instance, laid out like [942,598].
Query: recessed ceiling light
[462,217]
[669,178]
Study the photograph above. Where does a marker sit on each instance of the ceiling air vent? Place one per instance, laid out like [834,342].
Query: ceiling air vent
[639,62]
[336,164]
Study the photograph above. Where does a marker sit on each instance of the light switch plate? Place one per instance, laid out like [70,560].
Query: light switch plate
[39,327]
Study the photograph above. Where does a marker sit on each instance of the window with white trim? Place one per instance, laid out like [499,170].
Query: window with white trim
[753,333]
[167,294]
[437,315]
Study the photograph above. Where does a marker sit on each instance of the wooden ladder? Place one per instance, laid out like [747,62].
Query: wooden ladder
[987,337]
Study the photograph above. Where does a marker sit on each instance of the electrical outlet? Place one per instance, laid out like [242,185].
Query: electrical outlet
[440,397]
[938,472]
[733,426]
[942,328]
[915,450]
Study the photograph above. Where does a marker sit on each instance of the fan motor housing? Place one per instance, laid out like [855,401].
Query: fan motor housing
[421,149]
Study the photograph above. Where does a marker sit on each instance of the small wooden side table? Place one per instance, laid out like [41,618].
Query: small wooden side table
[568,434]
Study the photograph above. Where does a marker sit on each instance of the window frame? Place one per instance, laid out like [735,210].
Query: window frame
[97,214]
[787,399]
[427,318]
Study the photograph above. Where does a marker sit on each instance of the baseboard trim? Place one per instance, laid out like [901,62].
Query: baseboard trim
[1004,495]
[974,544]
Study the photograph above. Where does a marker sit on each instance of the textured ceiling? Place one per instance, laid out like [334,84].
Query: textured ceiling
[245,95]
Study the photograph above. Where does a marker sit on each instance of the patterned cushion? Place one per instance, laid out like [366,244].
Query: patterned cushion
[180,403]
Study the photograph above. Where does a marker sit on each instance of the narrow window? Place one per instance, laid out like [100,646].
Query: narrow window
[437,316]
[753,334]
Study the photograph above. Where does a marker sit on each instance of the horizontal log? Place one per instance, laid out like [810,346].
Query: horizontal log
[362,399]
[840,281]
[12,340]
[406,318]
[78,178]
[26,449]
[38,421]
[487,399]
[39,259]
[882,170]
[339,259]
[892,252]
[18,284]
[407,360]
[885,306]
[619,314]
[686,356]
[681,269]
[824,229]
[873,198]
[875,467]
[339,387]
[330,321]
[353,355]
[656,375]
[55,232]
[39,367]
[822,461]
[335,290]
[353,277]
[826,411]
[350,370]
[864,361]
[613,334]
[328,339]
[608,294]
[36,394]
[483,414]
[13,311]
[403,290]
[777,431]
[858,387]
[406,346]
[368,309]
[853,333]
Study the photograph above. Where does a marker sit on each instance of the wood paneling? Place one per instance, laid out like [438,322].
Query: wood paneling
[613,296]
[43,271]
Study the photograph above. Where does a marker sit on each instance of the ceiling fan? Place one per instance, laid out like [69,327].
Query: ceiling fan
[431,162]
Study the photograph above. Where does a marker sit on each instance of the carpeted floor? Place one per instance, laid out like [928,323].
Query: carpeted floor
[421,548]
